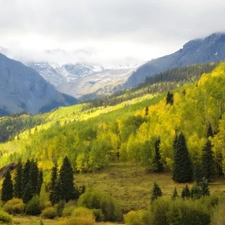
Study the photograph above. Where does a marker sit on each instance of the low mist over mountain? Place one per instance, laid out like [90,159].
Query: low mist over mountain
[209,49]
[81,79]
[22,89]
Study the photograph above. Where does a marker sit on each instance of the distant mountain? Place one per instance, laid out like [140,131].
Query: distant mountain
[81,79]
[22,89]
[209,49]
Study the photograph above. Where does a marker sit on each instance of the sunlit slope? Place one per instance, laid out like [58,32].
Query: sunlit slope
[127,132]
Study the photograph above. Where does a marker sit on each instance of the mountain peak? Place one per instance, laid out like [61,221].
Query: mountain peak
[22,89]
[201,50]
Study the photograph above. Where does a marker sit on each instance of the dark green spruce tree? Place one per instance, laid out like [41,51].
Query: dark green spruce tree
[25,175]
[156,192]
[40,181]
[7,188]
[175,194]
[157,164]
[204,185]
[18,191]
[54,195]
[33,178]
[207,157]
[169,98]
[182,168]
[185,193]
[67,189]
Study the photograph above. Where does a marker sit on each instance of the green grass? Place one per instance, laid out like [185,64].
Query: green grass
[131,185]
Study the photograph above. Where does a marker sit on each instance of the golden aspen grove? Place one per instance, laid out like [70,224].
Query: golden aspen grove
[139,128]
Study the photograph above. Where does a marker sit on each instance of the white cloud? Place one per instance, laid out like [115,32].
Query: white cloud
[114,30]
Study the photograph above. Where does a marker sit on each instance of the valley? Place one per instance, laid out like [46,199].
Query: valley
[123,157]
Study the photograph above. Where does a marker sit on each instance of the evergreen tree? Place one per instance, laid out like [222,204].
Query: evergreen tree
[54,195]
[207,157]
[18,192]
[185,192]
[207,161]
[25,175]
[146,110]
[204,184]
[182,169]
[67,190]
[157,164]
[169,98]
[7,187]
[175,194]
[27,193]
[40,181]
[197,171]
[33,177]
[156,192]
[196,192]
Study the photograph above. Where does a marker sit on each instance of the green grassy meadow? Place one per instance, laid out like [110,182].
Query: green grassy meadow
[131,185]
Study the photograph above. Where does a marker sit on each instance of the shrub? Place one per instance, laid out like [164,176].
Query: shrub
[14,206]
[158,211]
[82,212]
[141,217]
[93,199]
[80,216]
[33,206]
[49,213]
[5,217]
[67,211]
[98,215]
[188,212]
[59,208]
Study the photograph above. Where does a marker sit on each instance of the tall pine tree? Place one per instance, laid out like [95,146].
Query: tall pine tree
[18,191]
[67,189]
[54,195]
[207,157]
[182,168]
[156,192]
[7,188]
[157,164]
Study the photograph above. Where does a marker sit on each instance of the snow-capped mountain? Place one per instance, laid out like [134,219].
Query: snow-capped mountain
[82,79]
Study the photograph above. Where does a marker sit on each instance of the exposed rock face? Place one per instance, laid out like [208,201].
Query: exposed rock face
[83,79]
[209,49]
[4,169]
[22,89]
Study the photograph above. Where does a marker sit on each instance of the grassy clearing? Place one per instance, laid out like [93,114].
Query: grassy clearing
[32,220]
[132,186]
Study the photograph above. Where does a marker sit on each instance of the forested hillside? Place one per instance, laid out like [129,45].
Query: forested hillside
[174,136]
[129,132]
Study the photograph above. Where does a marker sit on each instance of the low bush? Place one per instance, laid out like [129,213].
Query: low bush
[33,206]
[99,217]
[67,211]
[49,213]
[5,217]
[80,216]
[93,199]
[14,206]
[141,217]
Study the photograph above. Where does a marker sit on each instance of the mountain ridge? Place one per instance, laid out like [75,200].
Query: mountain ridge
[22,89]
[201,50]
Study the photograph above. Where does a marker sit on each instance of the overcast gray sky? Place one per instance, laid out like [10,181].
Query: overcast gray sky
[106,31]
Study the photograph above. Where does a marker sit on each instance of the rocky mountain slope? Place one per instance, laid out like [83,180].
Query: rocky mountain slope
[83,79]
[22,89]
[208,49]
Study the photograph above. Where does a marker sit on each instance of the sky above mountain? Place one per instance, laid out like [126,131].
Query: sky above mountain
[105,31]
